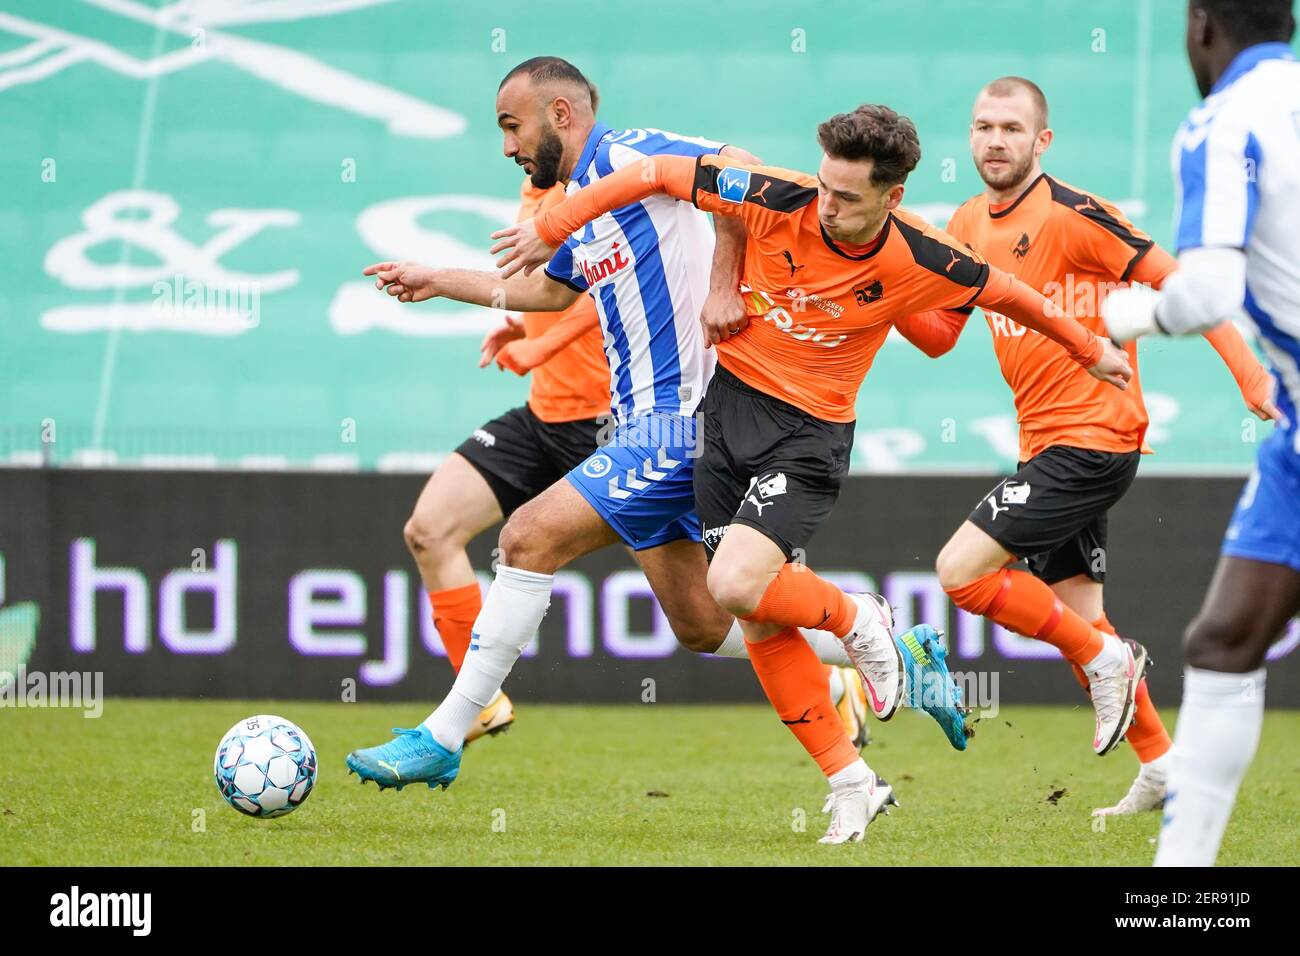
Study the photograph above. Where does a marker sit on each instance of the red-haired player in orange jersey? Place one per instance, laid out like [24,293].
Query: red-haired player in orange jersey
[1079,441]
[832,263]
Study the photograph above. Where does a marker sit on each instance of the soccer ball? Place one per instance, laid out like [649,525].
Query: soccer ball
[265,766]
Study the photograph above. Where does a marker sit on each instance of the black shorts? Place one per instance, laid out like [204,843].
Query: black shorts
[766,464]
[1052,512]
[520,456]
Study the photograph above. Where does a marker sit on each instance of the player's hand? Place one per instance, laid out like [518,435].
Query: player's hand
[1113,366]
[497,339]
[523,248]
[740,155]
[520,357]
[1258,396]
[407,281]
[723,316]
[1130,312]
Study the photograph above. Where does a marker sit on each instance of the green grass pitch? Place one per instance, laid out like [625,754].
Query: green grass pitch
[641,785]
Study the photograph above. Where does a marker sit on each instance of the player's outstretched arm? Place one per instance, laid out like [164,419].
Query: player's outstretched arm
[413,282]
[1018,301]
[1206,291]
[525,354]
[531,243]
[1157,267]
[934,332]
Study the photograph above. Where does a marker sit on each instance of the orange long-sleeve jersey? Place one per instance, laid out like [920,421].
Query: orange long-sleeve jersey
[572,384]
[1074,248]
[819,311]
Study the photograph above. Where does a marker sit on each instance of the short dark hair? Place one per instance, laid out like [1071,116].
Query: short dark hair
[553,69]
[1251,21]
[1007,86]
[876,133]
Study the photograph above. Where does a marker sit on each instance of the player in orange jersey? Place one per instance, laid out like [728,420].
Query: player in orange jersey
[1079,441]
[510,459]
[516,457]
[831,263]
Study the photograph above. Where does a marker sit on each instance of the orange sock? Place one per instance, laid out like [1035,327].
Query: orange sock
[797,597]
[795,682]
[1020,602]
[454,612]
[1147,736]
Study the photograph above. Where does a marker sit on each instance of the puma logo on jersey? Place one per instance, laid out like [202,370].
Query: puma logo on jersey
[1012,494]
[1086,205]
[758,196]
[993,504]
[1021,248]
[953,262]
[765,488]
[790,259]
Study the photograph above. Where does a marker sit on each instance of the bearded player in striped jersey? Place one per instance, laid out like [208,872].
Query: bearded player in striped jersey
[646,270]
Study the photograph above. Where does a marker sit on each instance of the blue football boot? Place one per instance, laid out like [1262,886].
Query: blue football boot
[413,756]
[929,685]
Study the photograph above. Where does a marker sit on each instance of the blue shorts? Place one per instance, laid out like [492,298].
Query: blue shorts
[1266,525]
[642,480]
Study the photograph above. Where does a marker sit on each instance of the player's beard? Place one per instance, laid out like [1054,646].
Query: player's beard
[1011,175]
[546,164]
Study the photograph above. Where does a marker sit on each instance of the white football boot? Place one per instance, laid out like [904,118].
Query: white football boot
[853,806]
[871,648]
[1113,690]
[1147,793]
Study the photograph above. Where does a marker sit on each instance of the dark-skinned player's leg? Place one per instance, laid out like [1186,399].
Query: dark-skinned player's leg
[1247,608]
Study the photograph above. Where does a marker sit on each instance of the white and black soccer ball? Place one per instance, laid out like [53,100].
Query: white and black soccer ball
[265,766]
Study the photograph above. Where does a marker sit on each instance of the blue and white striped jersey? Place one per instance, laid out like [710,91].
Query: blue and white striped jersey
[1236,160]
[647,267]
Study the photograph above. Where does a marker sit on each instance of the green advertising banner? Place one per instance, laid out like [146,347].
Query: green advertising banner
[191,190]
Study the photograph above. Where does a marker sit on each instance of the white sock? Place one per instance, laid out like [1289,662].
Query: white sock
[1111,656]
[1160,766]
[733,645]
[855,773]
[1218,731]
[837,685]
[828,648]
[512,612]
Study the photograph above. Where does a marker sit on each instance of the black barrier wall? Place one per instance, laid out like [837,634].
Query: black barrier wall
[299,586]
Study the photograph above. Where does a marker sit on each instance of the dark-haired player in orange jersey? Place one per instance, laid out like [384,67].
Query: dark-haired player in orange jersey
[1079,441]
[831,263]
[512,458]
